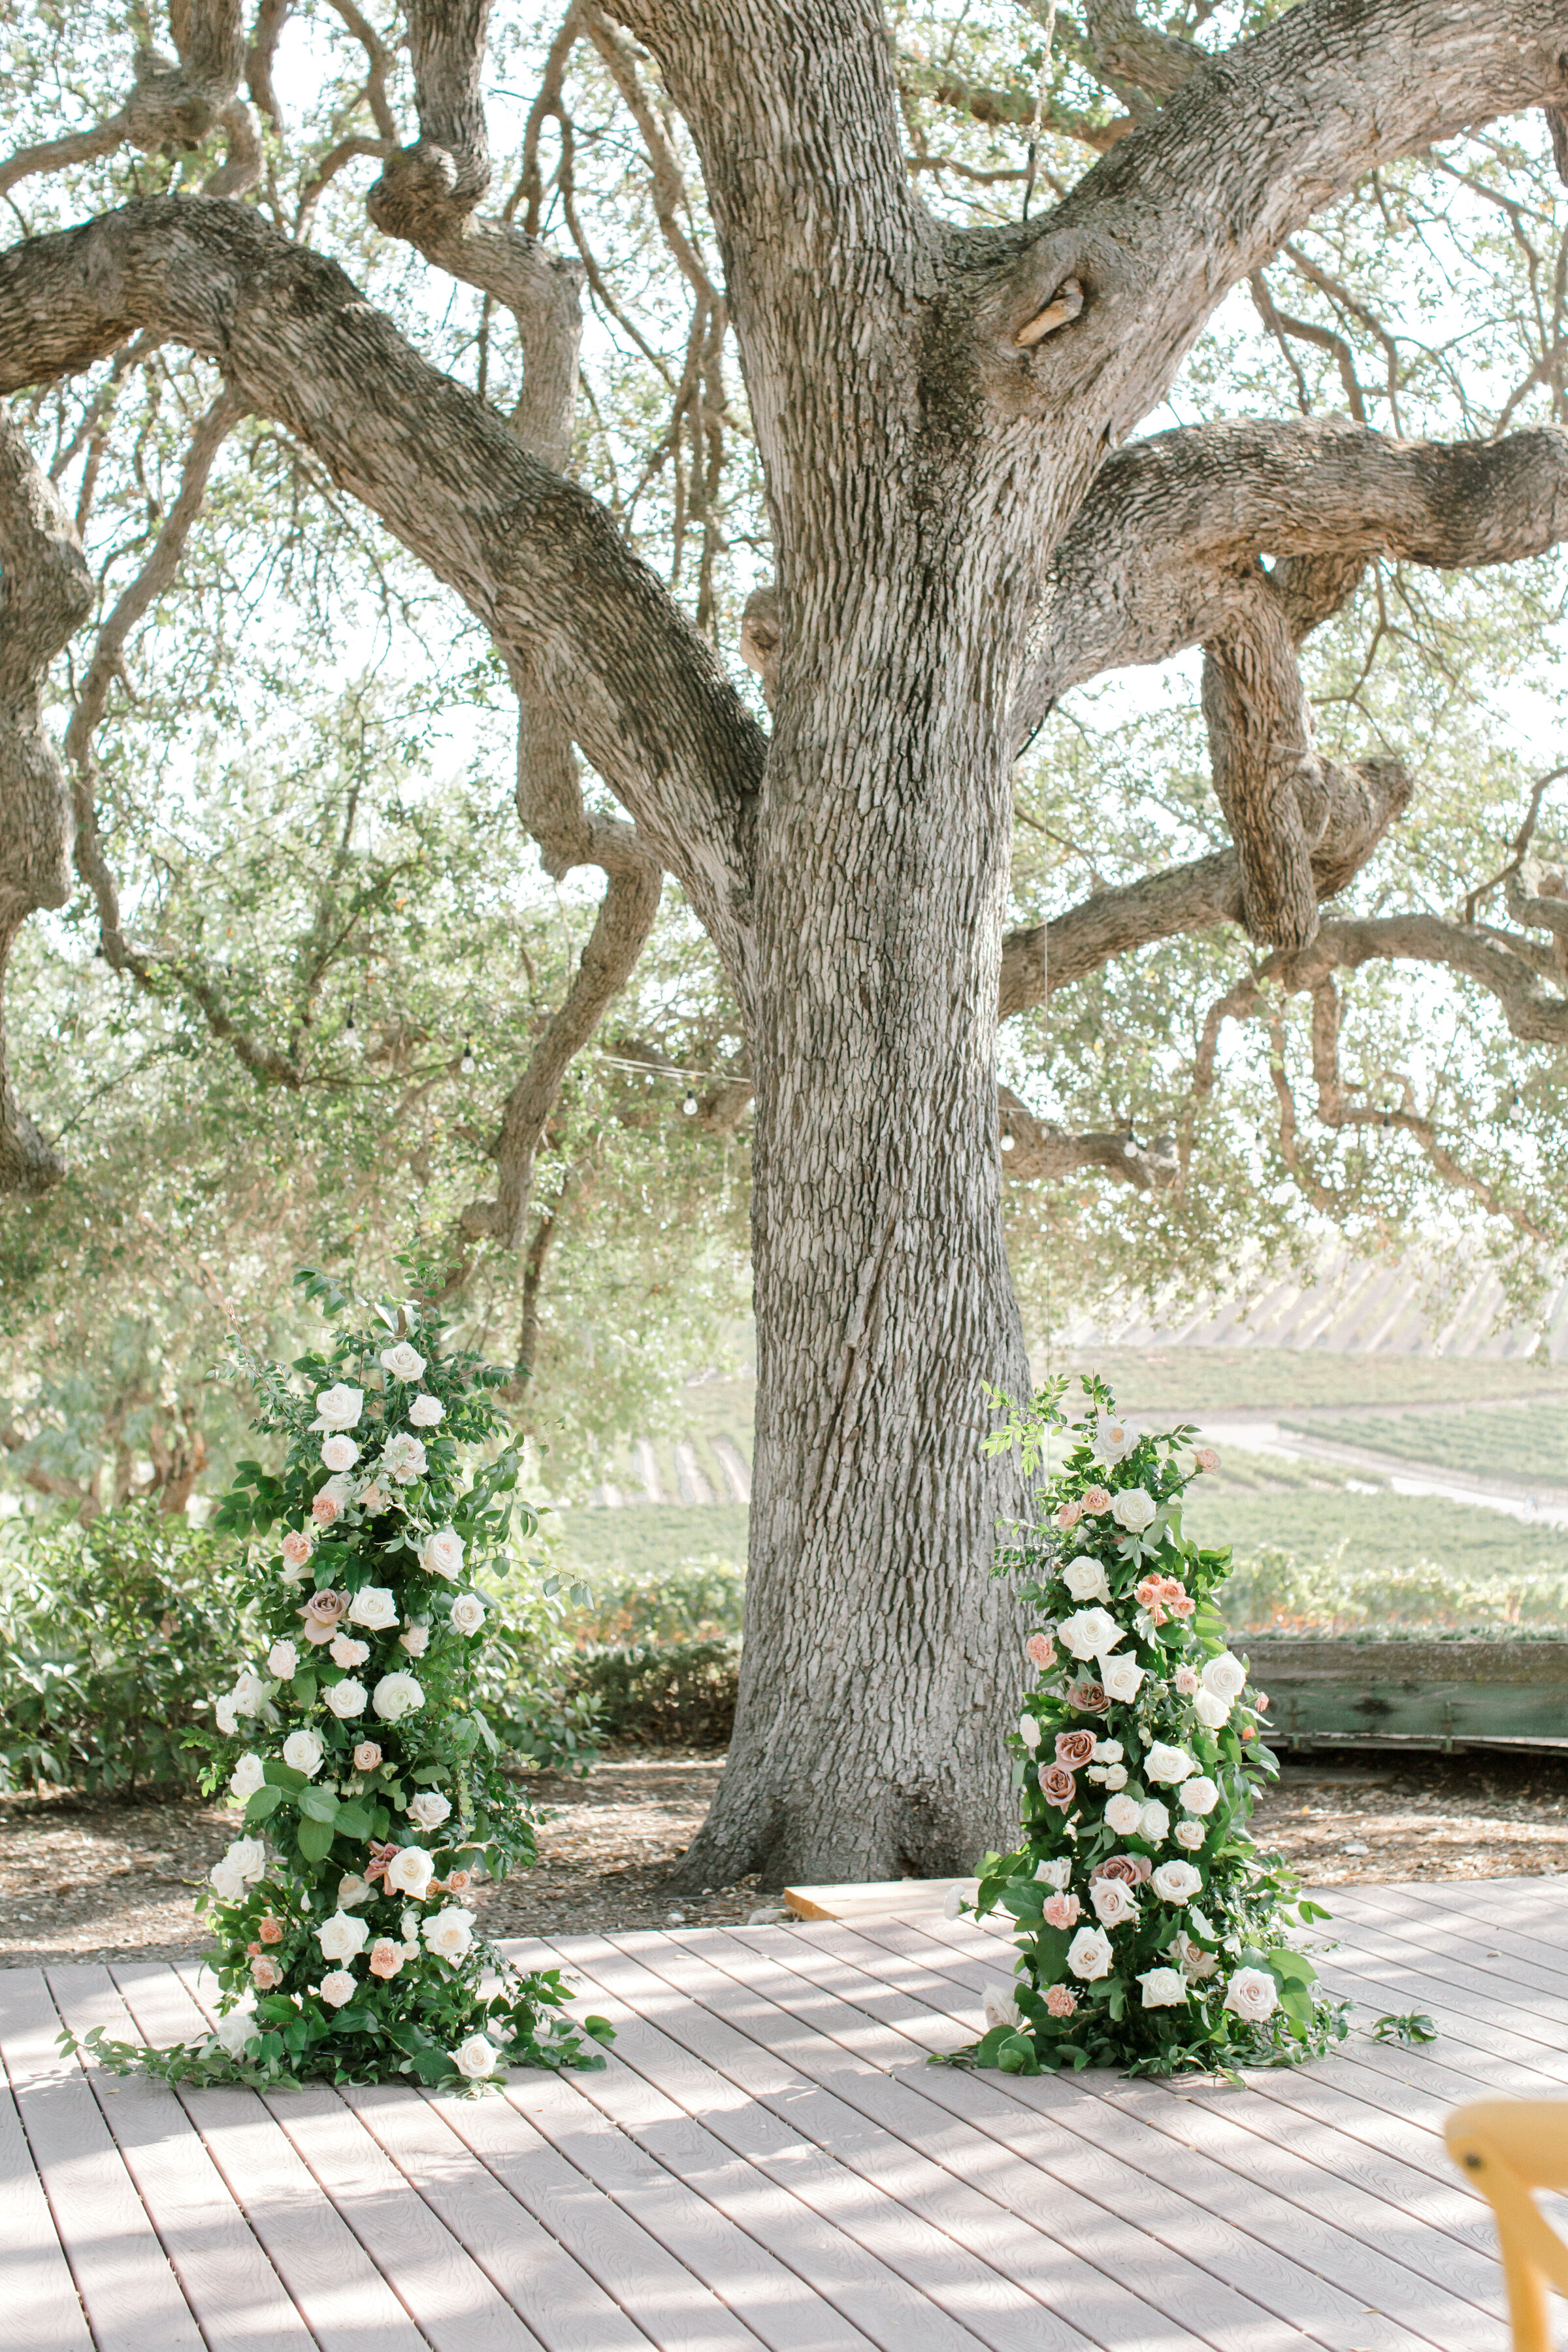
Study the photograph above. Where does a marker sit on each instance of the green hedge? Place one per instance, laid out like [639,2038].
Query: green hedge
[662,1695]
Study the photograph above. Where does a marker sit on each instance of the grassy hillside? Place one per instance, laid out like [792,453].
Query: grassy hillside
[1529,1441]
[1189,1381]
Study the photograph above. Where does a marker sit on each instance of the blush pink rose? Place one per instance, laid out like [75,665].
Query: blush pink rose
[367,1756]
[1206,1457]
[1062,1911]
[1061,2002]
[266,1974]
[270,1930]
[1075,1749]
[1097,1498]
[1040,1651]
[1186,1681]
[1069,1516]
[326,1511]
[298,1546]
[1057,1786]
[459,1882]
[1260,1701]
[385,1957]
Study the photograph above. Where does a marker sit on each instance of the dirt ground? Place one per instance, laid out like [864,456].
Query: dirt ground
[86,1881]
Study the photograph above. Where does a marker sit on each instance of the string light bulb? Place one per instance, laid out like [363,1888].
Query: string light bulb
[351,1035]
[1008,1143]
[690,1105]
[467,1064]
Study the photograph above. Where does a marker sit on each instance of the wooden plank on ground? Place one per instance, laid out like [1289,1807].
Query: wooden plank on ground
[39,2307]
[239,2302]
[891,1899]
[1173,2216]
[341,2297]
[131,2294]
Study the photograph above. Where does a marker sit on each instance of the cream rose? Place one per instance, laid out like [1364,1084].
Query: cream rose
[425,1412]
[1163,1988]
[1089,1954]
[346,1698]
[449,1932]
[339,1407]
[999,2006]
[1154,1823]
[1085,1579]
[475,2058]
[226,1714]
[247,1777]
[1133,1509]
[1167,1765]
[1056,1873]
[1252,1994]
[1091,1633]
[467,1613]
[249,1693]
[1226,1677]
[302,1752]
[1212,1713]
[403,1363]
[1199,1795]
[1176,1882]
[367,1756]
[410,1872]
[339,1453]
[417,1640]
[343,1937]
[1123,1815]
[1191,1834]
[403,1459]
[1108,1751]
[429,1808]
[283,1660]
[375,1608]
[396,1696]
[336,1987]
[1120,1678]
[346,1654]
[441,1554]
[1113,1441]
[235,2029]
[1029,1732]
[1114,1901]
[241,1867]
[351,1890]
[1115,1775]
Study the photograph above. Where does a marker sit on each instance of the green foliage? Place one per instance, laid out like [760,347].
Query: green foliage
[1528,1441]
[1152,1931]
[1274,1592]
[1411,2029]
[674,1694]
[110,1638]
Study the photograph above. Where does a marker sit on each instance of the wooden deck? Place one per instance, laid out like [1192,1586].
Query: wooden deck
[767,2162]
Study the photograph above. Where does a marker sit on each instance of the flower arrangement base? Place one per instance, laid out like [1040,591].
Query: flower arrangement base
[347,1949]
[1153,1932]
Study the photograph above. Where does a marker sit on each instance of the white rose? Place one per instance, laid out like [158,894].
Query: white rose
[1191,1834]
[351,1890]
[339,1453]
[467,1613]
[242,1865]
[249,1692]
[236,2028]
[375,1608]
[410,1872]
[1210,1711]
[1114,1901]
[346,1654]
[403,1363]
[302,1752]
[283,1660]
[336,1987]
[441,1554]
[1197,1964]
[1154,1823]
[1176,1882]
[1108,1751]
[396,1696]
[1227,1677]
[1123,1814]
[999,2006]
[1199,1795]
[1201,1924]
[417,1640]
[1120,1678]
[1089,1954]
[343,1937]
[226,1884]
[962,1892]
[1055,1874]
[1113,1441]
[1167,1764]
[1252,1994]
[1133,1509]
[403,1459]
[429,1808]
[1089,1633]
[247,1777]
[346,1698]
[425,1412]
[476,2057]
[1085,1579]
[449,1932]
[1029,1732]
[339,1407]
[226,1716]
[1115,1775]
[1163,1988]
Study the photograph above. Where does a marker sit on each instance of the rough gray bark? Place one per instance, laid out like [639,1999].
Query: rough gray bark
[932,409]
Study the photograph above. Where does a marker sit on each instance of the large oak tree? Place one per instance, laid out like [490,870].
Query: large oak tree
[963,529]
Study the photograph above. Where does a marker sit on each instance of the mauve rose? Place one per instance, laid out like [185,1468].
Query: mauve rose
[1057,1786]
[1097,1498]
[1089,1698]
[1074,1749]
[1062,1910]
[385,1957]
[1060,2001]
[1115,1865]
[266,1974]
[1040,1651]
[322,1615]
[367,1756]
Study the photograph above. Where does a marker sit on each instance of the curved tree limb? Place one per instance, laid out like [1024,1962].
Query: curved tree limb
[175,102]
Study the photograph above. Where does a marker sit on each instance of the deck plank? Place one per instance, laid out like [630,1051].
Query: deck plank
[240,2303]
[40,2310]
[133,2300]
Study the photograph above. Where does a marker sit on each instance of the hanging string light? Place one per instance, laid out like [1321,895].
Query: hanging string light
[466,1065]
[690,1105]
[351,1035]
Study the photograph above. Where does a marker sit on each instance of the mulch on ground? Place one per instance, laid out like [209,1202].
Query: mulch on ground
[88,1880]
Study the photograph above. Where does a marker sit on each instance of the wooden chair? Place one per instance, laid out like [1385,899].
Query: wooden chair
[1508,2148]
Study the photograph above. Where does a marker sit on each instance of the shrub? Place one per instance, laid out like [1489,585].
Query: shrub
[111,1636]
[668,1695]
[1274,1592]
[700,1600]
